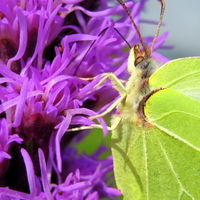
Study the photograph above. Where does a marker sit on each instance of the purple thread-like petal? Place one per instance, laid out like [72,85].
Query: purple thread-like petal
[89,87]
[80,185]
[159,57]
[79,37]
[93,196]
[63,127]
[62,67]
[9,74]
[13,138]
[95,176]
[49,21]
[113,191]
[19,107]
[30,172]
[43,169]
[88,112]
[6,80]
[104,13]
[4,155]
[3,132]
[68,179]
[4,9]
[14,194]
[53,82]
[38,43]
[76,120]
[22,38]
[71,1]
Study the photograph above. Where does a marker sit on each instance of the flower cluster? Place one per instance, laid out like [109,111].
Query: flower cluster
[48,49]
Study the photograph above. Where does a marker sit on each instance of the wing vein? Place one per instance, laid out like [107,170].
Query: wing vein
[182,77]
[174,111]
[173,171]
[177,137]
[146,162]
[132,144]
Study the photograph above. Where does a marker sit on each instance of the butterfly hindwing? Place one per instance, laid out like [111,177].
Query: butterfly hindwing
[159,160]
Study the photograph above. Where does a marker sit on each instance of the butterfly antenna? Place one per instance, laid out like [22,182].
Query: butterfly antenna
[134,24]
[159,24]
[90,47]
[123,38]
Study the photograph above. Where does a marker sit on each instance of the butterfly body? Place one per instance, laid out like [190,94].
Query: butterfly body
[137,86]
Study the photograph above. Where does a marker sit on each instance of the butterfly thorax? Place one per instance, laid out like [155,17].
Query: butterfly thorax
[137,86]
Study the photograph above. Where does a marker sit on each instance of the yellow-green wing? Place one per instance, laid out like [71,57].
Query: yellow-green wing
[182,75]
[160,159]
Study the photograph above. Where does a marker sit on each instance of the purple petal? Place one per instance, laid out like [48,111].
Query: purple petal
[14,194]
[93,196]
[4,155]
[20,104]
[9,74]
[45,181]
[75,186]
[22,37]
[13,138]
[104,13]
[62,129]
[30,172]
[113,191]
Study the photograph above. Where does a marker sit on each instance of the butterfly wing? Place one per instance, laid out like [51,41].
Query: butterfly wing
[182,75]
[160,158]
[176,119]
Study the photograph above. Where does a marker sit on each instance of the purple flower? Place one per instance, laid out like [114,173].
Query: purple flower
[46,47]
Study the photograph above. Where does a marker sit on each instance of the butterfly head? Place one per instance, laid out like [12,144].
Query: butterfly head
[141,58]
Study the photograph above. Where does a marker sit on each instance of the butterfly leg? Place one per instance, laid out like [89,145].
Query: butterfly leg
[117,83]
[92,78]
[94,126]
[118,86]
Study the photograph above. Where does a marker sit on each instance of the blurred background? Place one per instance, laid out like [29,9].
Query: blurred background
[181,20]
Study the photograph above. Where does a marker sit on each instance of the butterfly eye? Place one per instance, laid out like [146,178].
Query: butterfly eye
[138,60]
[141,55]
